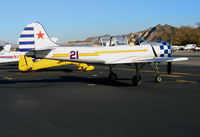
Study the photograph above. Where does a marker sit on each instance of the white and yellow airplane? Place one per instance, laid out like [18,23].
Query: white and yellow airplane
[109,51]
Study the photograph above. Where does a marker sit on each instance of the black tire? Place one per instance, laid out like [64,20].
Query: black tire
[112,77]
[158,79]
[137,81]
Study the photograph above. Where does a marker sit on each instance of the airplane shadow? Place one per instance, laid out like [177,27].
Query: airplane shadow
[45,70]
[7,68]
[69,79]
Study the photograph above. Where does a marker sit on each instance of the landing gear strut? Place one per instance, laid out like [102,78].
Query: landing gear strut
[137,80]
[158,78]
[112,76]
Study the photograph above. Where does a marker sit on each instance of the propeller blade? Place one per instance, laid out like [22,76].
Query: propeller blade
[169,67]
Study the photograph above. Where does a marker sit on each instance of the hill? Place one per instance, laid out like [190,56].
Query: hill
[182,35]
[151,34]
[155,33]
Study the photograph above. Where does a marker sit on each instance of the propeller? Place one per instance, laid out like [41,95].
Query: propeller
[169,64]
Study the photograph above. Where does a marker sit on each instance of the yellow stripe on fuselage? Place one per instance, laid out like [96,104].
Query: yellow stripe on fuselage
[61,55]
[122,51]
[88,54]
[101,52]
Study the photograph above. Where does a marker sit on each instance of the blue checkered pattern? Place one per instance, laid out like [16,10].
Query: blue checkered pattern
[165,50]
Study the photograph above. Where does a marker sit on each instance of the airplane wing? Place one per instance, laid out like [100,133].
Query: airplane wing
[148,60]
[168,59]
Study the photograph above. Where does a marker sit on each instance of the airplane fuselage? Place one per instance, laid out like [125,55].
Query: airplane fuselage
[100,55]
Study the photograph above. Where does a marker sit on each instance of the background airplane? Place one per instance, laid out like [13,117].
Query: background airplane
[109,51]
[6,55]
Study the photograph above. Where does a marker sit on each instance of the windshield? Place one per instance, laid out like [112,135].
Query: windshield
[110,41]
[105,41]
[121,40]
[95,42]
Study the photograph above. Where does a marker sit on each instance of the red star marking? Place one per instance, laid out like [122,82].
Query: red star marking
[40,35]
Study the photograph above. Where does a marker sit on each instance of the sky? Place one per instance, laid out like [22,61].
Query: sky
[70,20]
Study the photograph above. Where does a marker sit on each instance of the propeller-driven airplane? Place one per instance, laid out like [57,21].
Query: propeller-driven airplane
[6,55]
[109,51]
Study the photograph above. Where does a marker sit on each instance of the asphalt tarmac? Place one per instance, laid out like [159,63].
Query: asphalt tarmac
[65,102]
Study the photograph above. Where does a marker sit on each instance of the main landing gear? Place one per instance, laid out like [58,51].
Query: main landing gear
[112,76]
[136,80]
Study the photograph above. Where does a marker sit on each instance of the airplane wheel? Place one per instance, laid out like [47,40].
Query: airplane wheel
[112,77]
[158,79]
[136,81]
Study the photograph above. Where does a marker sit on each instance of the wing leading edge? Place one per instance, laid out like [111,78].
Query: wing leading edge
[148,60]
[167,59]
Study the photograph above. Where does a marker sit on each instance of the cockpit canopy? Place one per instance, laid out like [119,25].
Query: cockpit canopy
[110,41]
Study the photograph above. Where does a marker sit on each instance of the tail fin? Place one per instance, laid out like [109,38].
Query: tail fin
[34,37]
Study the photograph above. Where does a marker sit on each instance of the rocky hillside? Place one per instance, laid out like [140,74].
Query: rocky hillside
[155,33]
[151,34]
[182,36]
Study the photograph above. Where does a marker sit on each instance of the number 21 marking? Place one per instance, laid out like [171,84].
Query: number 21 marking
[74,55]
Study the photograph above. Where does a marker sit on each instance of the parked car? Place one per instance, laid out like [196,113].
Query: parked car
[189,46]
[196,49]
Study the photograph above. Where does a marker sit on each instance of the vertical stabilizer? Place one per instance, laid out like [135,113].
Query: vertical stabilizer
[34,37]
